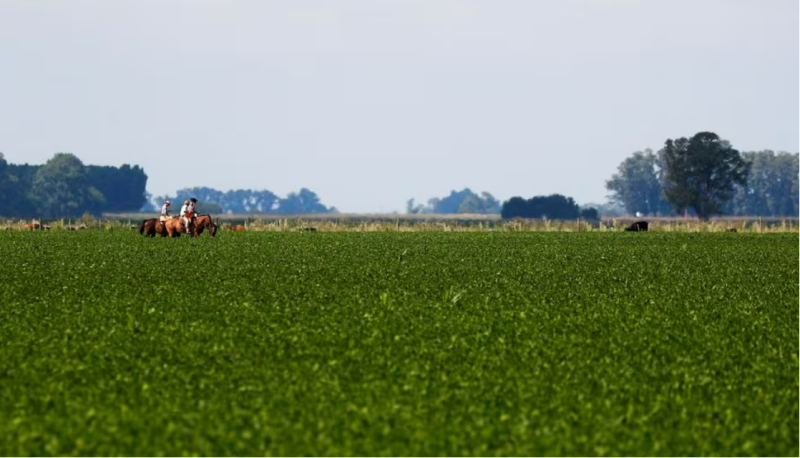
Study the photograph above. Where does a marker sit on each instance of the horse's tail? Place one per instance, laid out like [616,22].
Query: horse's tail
[141,228]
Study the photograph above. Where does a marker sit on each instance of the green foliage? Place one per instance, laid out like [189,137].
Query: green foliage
[9,194]
[464,201]
[590,214]
[554,206]
[252,201]
[636,185]
[304,201]
[234,201]
[771,188]
[65,187]
[61,188]
[14,186]
[123,187]
[700,173]
[399,344]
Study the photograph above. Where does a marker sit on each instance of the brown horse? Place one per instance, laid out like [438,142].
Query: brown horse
[202,223]
[175,227]
[151,227]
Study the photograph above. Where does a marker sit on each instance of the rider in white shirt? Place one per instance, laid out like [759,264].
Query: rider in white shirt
[165,211]
[184,210]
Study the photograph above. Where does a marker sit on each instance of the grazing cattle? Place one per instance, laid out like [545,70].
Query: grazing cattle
[309,229]
[638,226]
[34,226]
[732,229]
[236,228]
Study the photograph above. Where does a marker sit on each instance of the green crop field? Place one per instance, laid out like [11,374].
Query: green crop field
[399,344]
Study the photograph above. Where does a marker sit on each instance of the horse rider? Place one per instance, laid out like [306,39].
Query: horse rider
[193,208]
[164,212]
[186,216]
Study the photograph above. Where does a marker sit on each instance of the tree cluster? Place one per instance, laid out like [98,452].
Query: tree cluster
[554,206]
[464,201]
[248,201]
[704,175]
[772,186]
[65,187]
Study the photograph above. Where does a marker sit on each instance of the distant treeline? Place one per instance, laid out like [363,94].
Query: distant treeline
[247,201]
[554,206]
[464,201]
[64,187]
[702,175]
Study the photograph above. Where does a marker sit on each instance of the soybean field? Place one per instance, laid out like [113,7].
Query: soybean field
[399,344]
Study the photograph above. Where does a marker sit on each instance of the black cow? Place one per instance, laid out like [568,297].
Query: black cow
[638,226]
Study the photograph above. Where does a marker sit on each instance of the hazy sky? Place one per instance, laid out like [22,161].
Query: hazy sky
[369,103]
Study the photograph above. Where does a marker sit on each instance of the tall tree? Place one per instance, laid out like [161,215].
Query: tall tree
[305,201]
[515,207]
[61,188]
[554,206]
[771,188]
[700,173]
[124,188]
[636,185]
[8,189]
[464,201]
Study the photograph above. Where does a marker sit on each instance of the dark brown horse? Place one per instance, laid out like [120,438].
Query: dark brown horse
[202,223]
[151,227]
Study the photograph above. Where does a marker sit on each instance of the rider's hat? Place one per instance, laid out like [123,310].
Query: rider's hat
[167,202]
[186,202]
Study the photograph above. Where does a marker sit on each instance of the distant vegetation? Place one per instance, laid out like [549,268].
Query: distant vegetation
[706,176]
[248,201]
[700,176]
[554,206]
[64,186]
[464,201]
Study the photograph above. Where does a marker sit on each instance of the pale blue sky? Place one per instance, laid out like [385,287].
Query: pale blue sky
[370,103]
